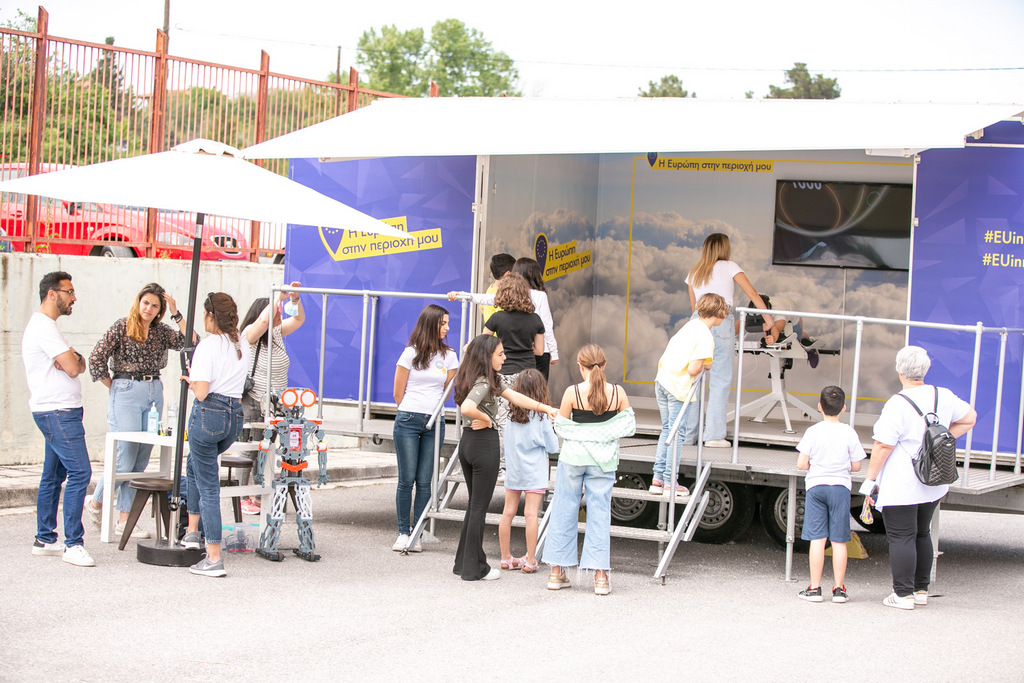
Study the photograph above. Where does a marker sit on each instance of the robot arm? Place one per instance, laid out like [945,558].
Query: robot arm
[321,449]
[261,456]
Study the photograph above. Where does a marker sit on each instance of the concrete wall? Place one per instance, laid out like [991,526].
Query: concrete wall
[105,289]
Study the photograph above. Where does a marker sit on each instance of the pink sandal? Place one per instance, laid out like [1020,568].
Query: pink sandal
[512,563]
[525,565]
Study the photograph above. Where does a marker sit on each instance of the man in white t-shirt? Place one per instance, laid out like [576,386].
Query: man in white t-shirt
[52,368]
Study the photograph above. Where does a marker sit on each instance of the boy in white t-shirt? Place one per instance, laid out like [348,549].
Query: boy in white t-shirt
[829,451]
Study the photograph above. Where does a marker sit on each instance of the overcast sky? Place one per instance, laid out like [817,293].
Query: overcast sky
[880,50]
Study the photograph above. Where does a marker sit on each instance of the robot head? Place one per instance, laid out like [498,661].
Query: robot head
[295,400]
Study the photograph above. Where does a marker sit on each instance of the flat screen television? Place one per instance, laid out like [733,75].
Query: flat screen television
[842,224]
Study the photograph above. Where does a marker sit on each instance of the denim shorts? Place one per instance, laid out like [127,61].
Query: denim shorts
[827,513]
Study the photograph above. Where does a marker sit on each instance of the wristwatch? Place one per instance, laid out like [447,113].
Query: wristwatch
[177,317]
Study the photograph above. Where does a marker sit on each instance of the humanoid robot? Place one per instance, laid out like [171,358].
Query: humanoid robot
[294,430]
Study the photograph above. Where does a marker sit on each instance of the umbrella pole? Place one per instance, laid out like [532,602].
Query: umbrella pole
[162,552]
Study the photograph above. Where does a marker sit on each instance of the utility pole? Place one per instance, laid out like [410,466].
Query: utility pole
[167,18]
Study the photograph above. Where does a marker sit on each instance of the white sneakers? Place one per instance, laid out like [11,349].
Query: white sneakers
[94,512]
[495,573]
[920,597]
[718,443]
[403,540]
[137,531]
[899,603]
[78,556]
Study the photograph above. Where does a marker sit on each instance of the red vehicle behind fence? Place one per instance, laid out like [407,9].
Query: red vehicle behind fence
[89,228]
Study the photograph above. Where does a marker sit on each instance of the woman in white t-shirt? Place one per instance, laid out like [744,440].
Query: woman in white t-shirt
[908,505]
[716,274]
[423,372]
[217,378]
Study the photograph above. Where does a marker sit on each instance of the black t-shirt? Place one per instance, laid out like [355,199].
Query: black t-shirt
[516,330]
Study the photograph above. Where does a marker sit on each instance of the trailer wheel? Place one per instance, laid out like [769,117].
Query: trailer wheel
[774,509]
[729,512]
[630,512]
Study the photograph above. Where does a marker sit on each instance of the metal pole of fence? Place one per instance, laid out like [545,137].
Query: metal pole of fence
[999,405]
[979,328]
[463,334]
[362,358]
[370,354]
[1020,423]
[739,391]
[856,372]
[323,359]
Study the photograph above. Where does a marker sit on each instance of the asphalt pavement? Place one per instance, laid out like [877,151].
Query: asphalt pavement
[364,612]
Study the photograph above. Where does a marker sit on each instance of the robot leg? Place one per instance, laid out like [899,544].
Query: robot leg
[304,521]
[272,532]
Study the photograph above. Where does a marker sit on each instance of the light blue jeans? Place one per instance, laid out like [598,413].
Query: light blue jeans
[560,547]
[126,412]
[668,407]
[719,385]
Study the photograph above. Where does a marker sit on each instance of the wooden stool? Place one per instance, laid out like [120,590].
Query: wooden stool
[231,461]
[144,488]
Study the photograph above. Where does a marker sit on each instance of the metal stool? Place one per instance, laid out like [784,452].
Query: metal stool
[144,488]
[231,462]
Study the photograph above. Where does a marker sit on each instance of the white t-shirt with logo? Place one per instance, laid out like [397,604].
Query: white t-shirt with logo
[216,361]
[721,281]
[425,387]
[830,447]
[49,388]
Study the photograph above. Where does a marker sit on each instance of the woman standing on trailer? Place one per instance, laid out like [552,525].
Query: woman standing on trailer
[477,389]
[530,270]
[422,374]
[716,274]
[593,416]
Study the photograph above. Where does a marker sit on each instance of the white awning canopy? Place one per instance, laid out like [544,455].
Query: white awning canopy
[513,125]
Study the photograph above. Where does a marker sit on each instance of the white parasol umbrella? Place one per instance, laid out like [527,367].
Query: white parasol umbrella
[205,177]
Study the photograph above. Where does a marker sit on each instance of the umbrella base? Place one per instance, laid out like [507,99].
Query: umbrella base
[163,554]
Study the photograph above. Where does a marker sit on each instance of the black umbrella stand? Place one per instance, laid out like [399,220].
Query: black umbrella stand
[166,552]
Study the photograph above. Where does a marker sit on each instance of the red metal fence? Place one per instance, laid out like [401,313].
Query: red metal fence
[68,102]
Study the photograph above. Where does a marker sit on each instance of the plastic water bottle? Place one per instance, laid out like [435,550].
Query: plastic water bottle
[291,308]
[152,419]
[172,418]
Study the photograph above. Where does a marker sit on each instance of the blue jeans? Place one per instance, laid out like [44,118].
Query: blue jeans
[126,412]
[560,547]
[719,385]
[66,458]
[213,426]
[414,445]
[669,407]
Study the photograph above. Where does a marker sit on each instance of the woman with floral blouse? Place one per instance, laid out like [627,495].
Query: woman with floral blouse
[128,360]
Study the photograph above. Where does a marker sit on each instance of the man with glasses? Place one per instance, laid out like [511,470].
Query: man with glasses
[52,367]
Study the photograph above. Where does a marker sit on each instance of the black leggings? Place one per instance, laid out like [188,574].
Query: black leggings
[908,528]
[479,456]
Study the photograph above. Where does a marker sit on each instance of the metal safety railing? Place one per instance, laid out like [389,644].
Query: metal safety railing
[978,330]
[367,342]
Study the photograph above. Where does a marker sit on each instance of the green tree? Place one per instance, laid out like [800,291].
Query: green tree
[459,59]
[804,87]
[668,86]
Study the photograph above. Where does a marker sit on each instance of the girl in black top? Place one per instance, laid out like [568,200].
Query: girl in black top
[477,389]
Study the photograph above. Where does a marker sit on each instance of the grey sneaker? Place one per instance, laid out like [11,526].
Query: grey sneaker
[206,568]
[54,549]
[810,594]
[191,541]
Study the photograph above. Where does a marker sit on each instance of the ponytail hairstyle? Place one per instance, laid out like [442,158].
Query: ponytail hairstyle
[513,294]
[135,327]
[592,358]
[476,364]
[426,336]
[225,316]
[716,248]
[530,270]
[529,383]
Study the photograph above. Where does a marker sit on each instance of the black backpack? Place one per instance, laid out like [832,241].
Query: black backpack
[935,463]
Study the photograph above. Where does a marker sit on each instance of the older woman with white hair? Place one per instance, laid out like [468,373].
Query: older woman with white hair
[907,505]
